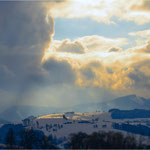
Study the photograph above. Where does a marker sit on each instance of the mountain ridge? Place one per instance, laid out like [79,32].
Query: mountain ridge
[17,113]
[124,102]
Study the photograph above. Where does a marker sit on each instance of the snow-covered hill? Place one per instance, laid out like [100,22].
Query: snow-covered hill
[64,124]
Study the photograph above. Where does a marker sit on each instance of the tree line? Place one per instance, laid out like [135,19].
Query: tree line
[105,140]
[28,139]
[32,139]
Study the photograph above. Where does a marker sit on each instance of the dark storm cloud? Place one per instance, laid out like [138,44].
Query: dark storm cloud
[6,76]
[140,79]
[59,71]
[23,35]
[140,75]
[23,24]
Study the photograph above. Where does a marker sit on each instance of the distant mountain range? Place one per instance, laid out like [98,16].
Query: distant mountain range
[124,103]
[16,113]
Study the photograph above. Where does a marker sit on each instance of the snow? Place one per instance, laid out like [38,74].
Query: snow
[63,124]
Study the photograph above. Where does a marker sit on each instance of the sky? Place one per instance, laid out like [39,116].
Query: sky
[67,52]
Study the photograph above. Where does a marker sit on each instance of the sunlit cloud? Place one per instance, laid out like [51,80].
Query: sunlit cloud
[102,10]
[102,63]
[34,65]
[97,60]
[144,33]
[83,48]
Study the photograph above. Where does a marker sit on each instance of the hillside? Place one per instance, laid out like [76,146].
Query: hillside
[62,125]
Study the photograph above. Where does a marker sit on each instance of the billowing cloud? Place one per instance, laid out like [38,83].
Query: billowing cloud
[59,71]
[100,10]
[101,67]
[15,32]
[24,33]
[85,47]
[35,66]
[145,48]
[71,47]
[100,43]
[143,5]
[144,33]
[141,37]
[140,75]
